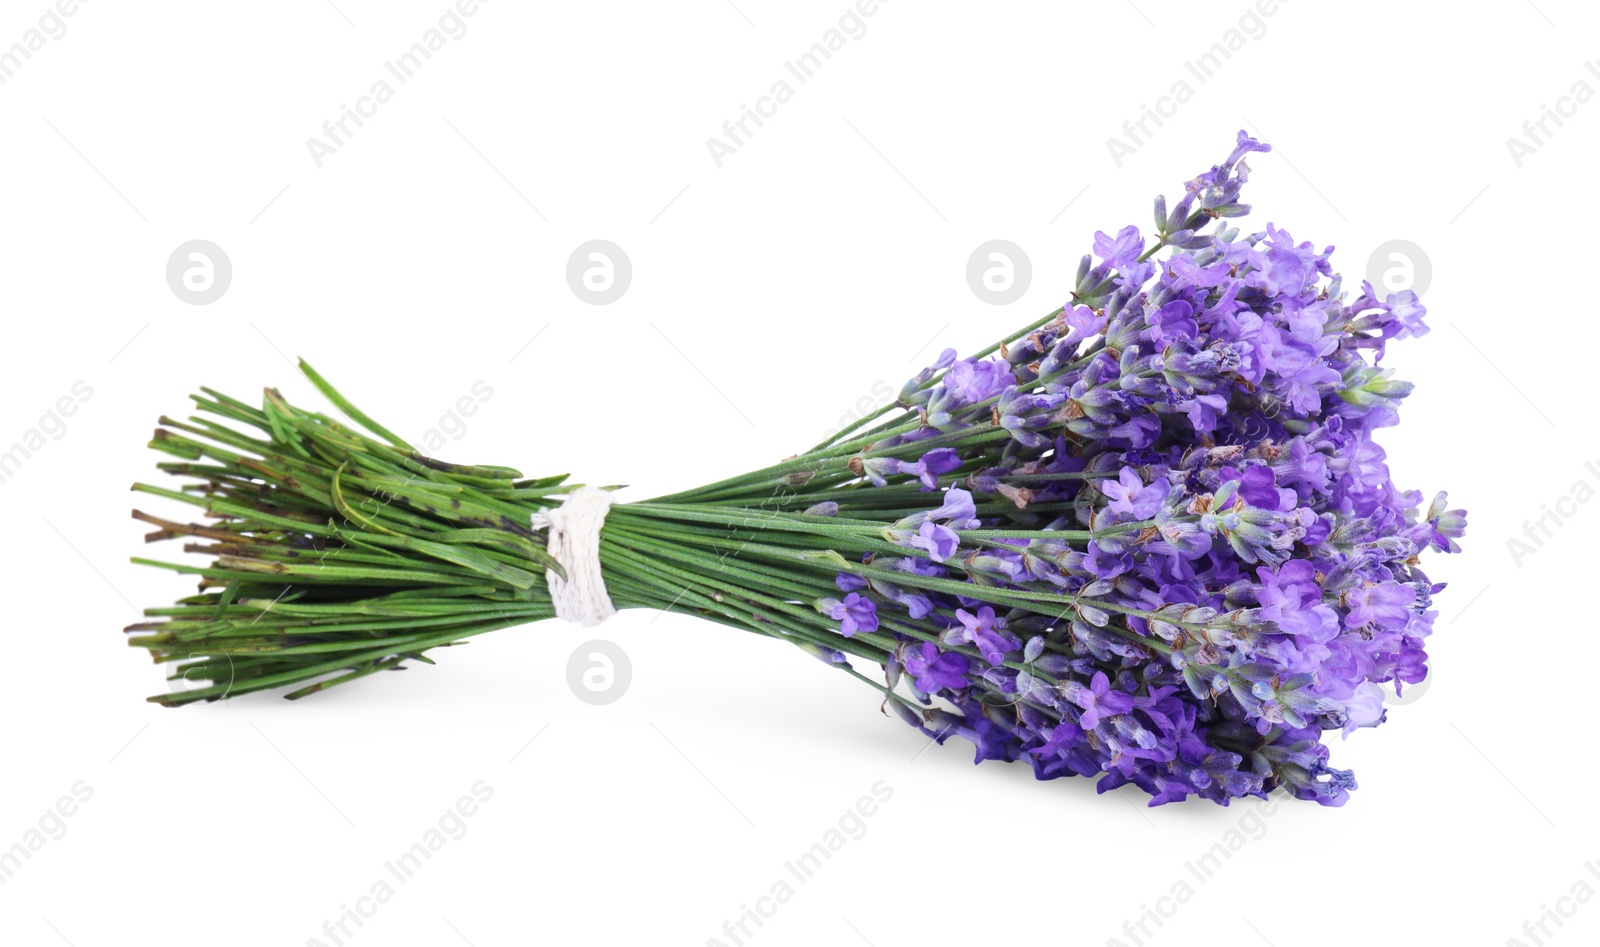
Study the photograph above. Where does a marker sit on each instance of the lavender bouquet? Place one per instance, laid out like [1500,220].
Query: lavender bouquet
[1148,538]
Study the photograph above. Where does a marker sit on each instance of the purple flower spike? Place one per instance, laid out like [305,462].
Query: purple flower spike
[1172,489]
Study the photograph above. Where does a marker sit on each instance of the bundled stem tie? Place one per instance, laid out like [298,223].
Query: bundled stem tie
[1149,538]
[573,539]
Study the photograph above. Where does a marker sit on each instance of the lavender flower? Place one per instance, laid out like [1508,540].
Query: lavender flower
[1121,251]
[1168,551]
[935,671]
[1225,396]
[1098,698]
[1131,496]
[971,380]
[854,614]
[980,630]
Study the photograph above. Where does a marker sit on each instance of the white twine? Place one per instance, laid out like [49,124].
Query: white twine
[574,541]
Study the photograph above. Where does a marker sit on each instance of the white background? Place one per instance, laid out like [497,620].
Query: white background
[825,256]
